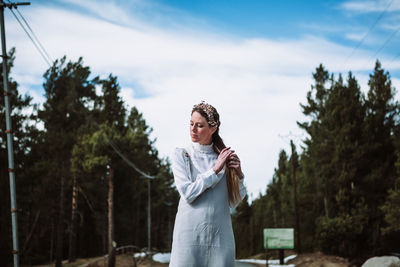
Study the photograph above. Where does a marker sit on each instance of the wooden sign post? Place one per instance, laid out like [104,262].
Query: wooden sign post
[278,239]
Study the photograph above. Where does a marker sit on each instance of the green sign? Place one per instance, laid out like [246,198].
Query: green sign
[279,238]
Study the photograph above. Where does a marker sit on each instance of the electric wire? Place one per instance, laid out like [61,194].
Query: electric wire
[130,163]
[119,152]
[34,35]
[369,30]
[48,59]
[395,58]
[114,147]
[385,44]
[30,37]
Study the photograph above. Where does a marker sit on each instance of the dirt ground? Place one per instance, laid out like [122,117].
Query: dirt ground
[121,261]
[316,259]
[127,261]
[319,259]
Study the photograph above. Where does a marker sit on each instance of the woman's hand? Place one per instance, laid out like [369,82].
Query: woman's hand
[234,162]
[222,158]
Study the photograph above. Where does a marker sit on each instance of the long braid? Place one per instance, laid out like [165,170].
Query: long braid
[212,117]
[232,182]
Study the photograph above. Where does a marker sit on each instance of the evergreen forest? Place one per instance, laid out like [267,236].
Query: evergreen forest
[82,160]
[346,177]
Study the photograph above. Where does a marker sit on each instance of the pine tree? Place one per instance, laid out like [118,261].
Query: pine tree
[347,183]
[344,122]
[67,89]
[71,159]
[382,110]
[241,219]
[391,207]
[123,144]
[317,145]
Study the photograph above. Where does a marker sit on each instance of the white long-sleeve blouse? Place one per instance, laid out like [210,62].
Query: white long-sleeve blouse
[203,233]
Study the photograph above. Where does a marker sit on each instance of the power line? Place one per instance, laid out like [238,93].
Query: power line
[34,35]
[126,159]
[369,30]
[30,37]
[48,59]
[395,58]
[119,152]
[31,30]
[386,42]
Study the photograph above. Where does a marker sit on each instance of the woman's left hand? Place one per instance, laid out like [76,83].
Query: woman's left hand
[234,162]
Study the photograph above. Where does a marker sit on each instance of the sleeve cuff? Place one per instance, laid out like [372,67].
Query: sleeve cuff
[213,177]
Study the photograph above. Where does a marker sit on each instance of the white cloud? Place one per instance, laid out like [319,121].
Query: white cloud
[371,6]
[256,84]
[355,36]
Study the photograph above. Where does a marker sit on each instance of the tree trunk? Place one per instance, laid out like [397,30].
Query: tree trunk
[111,248]
[60,228]
[326,206]
[137,220]
[73,231]
[30,235]
[52,238]
[169,229]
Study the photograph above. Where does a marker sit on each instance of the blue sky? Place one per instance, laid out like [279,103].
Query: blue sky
[334,20]
[253,60]
[337,21]
[278,19]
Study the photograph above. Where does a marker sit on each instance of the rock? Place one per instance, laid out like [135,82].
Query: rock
[385,261]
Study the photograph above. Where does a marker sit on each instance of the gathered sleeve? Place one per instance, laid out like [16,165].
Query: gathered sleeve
[243,192]
[190,188]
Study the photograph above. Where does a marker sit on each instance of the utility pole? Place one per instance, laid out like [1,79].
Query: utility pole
[148,211]
[148,216]
[9,133]
[111,242]
[296,213]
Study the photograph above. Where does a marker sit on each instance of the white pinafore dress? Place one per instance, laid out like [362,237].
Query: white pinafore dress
[203,235]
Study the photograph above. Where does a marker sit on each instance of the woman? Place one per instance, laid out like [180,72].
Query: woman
[209,179]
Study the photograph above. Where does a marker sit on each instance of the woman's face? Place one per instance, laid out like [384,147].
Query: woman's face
[200,131]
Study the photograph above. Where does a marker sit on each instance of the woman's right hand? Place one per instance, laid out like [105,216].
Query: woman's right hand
[221,160]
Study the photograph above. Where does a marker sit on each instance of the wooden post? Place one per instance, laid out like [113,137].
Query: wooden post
[60,222]
[281,254]
[295,206]
[111,247]
[266,257]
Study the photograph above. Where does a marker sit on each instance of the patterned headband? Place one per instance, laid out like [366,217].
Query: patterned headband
[212,114]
